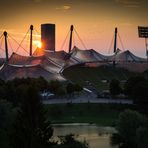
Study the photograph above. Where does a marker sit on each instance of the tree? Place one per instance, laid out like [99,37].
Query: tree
[137,87]
[114,87]
[54,85]
[142,136]
[78,87]
[70,88]
[140,93]
[7,117]
[128,126]
[31,129]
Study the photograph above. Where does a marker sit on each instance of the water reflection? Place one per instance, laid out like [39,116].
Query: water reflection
[96,137]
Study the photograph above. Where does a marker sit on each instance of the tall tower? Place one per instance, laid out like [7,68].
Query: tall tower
[48,36]
[6,46]
[115,40]
[70,41]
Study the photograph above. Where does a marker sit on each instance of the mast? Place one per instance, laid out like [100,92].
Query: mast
[70,41]
[146,44]
[115,40]
[115,45]
[31,29]
[6,46]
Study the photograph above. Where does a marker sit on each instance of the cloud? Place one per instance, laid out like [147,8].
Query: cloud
[65,7]
[130,3]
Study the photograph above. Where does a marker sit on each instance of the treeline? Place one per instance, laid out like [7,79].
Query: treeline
[23,118]
[132,130]
[135,88]
[12,90]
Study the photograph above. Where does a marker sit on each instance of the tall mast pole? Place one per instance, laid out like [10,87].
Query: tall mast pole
[70,41]
[6,46]
[115,40]
[31,30]
[115,45]
[146,44]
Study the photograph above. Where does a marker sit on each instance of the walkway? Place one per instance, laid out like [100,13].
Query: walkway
[86,100]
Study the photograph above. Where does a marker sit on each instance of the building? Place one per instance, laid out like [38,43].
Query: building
[48,36]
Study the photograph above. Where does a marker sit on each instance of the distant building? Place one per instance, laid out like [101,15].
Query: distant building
[48,36]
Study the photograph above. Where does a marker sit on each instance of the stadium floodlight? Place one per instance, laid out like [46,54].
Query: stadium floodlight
[143,33]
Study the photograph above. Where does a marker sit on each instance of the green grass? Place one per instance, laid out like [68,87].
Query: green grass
[100,114]
[81,74]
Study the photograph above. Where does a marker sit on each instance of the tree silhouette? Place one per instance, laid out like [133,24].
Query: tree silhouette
[31,129]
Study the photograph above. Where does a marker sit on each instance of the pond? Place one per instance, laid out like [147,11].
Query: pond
[95,136]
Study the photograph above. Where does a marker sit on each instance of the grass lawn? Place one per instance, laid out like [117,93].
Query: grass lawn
[100,114]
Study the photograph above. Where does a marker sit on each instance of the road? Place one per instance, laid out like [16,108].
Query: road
[86,99]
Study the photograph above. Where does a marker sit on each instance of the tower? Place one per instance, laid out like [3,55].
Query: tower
[48,36]
[70,41]
[115,40]
[6,46]
[115,45]
[31,29]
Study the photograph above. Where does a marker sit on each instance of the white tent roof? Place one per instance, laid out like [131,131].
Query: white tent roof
[89,55]
[127,56]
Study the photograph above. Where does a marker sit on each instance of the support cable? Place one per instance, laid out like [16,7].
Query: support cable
[74,42]
[111,44]
[26,45]
[10,45]
[80,39]
[18,44]
[63,44]
[121,42]
[23,41]
[1,42]
[38,33]
[1,36]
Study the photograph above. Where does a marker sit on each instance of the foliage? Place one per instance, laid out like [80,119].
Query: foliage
[137,87]
[73,88]
[142,136]
[23,120]
[78,87]
[54,85]
[31,129]
[131,82]
[70,88]
[7,118]
[131,126]
[114,87]
[11,90]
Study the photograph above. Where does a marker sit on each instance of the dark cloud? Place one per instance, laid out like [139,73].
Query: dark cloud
[131,3]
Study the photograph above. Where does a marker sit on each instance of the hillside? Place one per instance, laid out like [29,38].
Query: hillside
[99,77]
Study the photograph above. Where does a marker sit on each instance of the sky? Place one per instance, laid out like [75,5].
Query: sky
[94,21]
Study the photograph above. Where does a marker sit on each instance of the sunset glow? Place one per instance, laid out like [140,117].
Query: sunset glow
[38,44]
[94,20]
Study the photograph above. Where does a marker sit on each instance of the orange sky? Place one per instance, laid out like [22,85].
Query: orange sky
[94,20]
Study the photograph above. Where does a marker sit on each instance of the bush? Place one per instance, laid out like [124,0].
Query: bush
[114,87]
[137,87]
[129,130]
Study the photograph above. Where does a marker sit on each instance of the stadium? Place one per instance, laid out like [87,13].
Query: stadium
[50,64]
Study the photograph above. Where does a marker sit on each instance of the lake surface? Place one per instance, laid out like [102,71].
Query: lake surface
[96,137]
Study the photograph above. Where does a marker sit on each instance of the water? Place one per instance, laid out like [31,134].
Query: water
[96,137]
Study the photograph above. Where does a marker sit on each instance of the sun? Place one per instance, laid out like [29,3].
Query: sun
[38,44]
